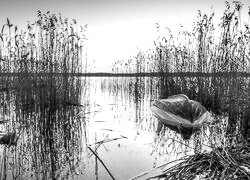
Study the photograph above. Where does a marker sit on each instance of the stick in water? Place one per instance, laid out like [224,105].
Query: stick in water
[101,163]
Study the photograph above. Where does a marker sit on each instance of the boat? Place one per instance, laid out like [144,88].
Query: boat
[181,114]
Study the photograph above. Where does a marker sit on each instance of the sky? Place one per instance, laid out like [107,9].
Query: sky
[117,29]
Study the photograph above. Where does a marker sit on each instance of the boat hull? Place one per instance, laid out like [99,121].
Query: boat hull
[181,114]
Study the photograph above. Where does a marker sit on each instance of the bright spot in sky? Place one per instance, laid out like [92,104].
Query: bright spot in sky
[119,41]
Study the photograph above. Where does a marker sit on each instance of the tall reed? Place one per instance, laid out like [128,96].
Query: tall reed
[205,49]
[50,45]
[43,99]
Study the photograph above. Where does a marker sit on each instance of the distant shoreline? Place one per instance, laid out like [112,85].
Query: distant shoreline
[146,74]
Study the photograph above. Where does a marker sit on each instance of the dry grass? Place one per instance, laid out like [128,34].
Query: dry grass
[227,163]
[220,163]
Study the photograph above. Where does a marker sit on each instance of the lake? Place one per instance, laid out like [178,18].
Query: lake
[68,127]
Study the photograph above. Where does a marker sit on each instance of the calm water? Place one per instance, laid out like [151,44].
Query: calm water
[121,114]
[112,117]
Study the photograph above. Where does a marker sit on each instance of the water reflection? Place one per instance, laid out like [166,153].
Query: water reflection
[117,118]
[46,115]
[57,119]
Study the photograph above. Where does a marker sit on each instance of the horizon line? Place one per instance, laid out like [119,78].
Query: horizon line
[142,74]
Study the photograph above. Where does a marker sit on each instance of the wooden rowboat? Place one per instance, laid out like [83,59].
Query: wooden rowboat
[181,114]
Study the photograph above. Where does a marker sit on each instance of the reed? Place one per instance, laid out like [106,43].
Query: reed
[50,45]
[46,115]
[206,48]
[221,50]
[41,97]
[223,96]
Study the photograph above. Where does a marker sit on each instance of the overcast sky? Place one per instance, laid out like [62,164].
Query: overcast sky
[117,28]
